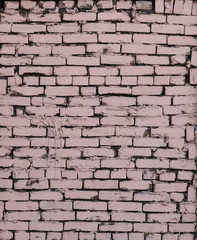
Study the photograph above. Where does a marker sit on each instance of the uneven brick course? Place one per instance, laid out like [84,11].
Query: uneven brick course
[98,120]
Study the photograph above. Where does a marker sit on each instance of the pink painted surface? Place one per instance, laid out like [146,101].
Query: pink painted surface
[98,120]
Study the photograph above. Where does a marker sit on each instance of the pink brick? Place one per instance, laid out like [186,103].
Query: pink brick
[12,17]
[22,216]
[120,227]
[46,226]
[117,121]
[114,90]
[170,70]
[48,61]
[101,184]
[49,17]
[64,28]
[5,27]
[27,28]
[14,142]
[170,187]
[93,216]
[66,71]
[82,142]
[182,227]
[168,29]
[65,152]
[27,91]
[116,60]
[98,27]
[149,142]
[8,71]
[190,30]
[193,78]
[77,111]
[58,215]
[62,91]
[80,17]
[78,81]
[14,121]
[142,38]
[123,5]
[80,38]
[182,40]
[102,4]
[112,80]
[150,227]
[11,5]
[135,185]
[124,206]
[152,121]
[48,38]
[11,196]
[83,164]
[102,71]
[14,226]
[68,50]
[54,205]
[64,184]
[70,235]
[3,86]
[40,70]
[146,90]
[152,60]
[113,16]
[13,39]
[79,205]
[182,7]
[136,70]
[110,48]
[185,20]
[151,18]
[146,111]
[114,38]
[131,217]
[157,207]
[7,50]
[81,226]
[87,61]
[44,50]
[167,217]
[134,236]
[132,27]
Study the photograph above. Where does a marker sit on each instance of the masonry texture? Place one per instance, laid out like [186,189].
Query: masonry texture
[97,120]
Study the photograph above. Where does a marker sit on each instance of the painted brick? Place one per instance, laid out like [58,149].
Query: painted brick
[80,17]
[49,17]
[145,38]
[80,38]
[113,16]
[98,120]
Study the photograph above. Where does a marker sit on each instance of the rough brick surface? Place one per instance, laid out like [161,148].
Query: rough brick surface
[98,119]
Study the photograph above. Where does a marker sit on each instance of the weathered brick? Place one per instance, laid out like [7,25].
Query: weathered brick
[113,16]
[48,17]
[80,38]
[149,38]
[113,38]
[136,70]
[132,27]
[71,70]
[80,17]
[182,40]
[42,38]
[98,27]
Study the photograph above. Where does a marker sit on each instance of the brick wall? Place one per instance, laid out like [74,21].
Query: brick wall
[97,120]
